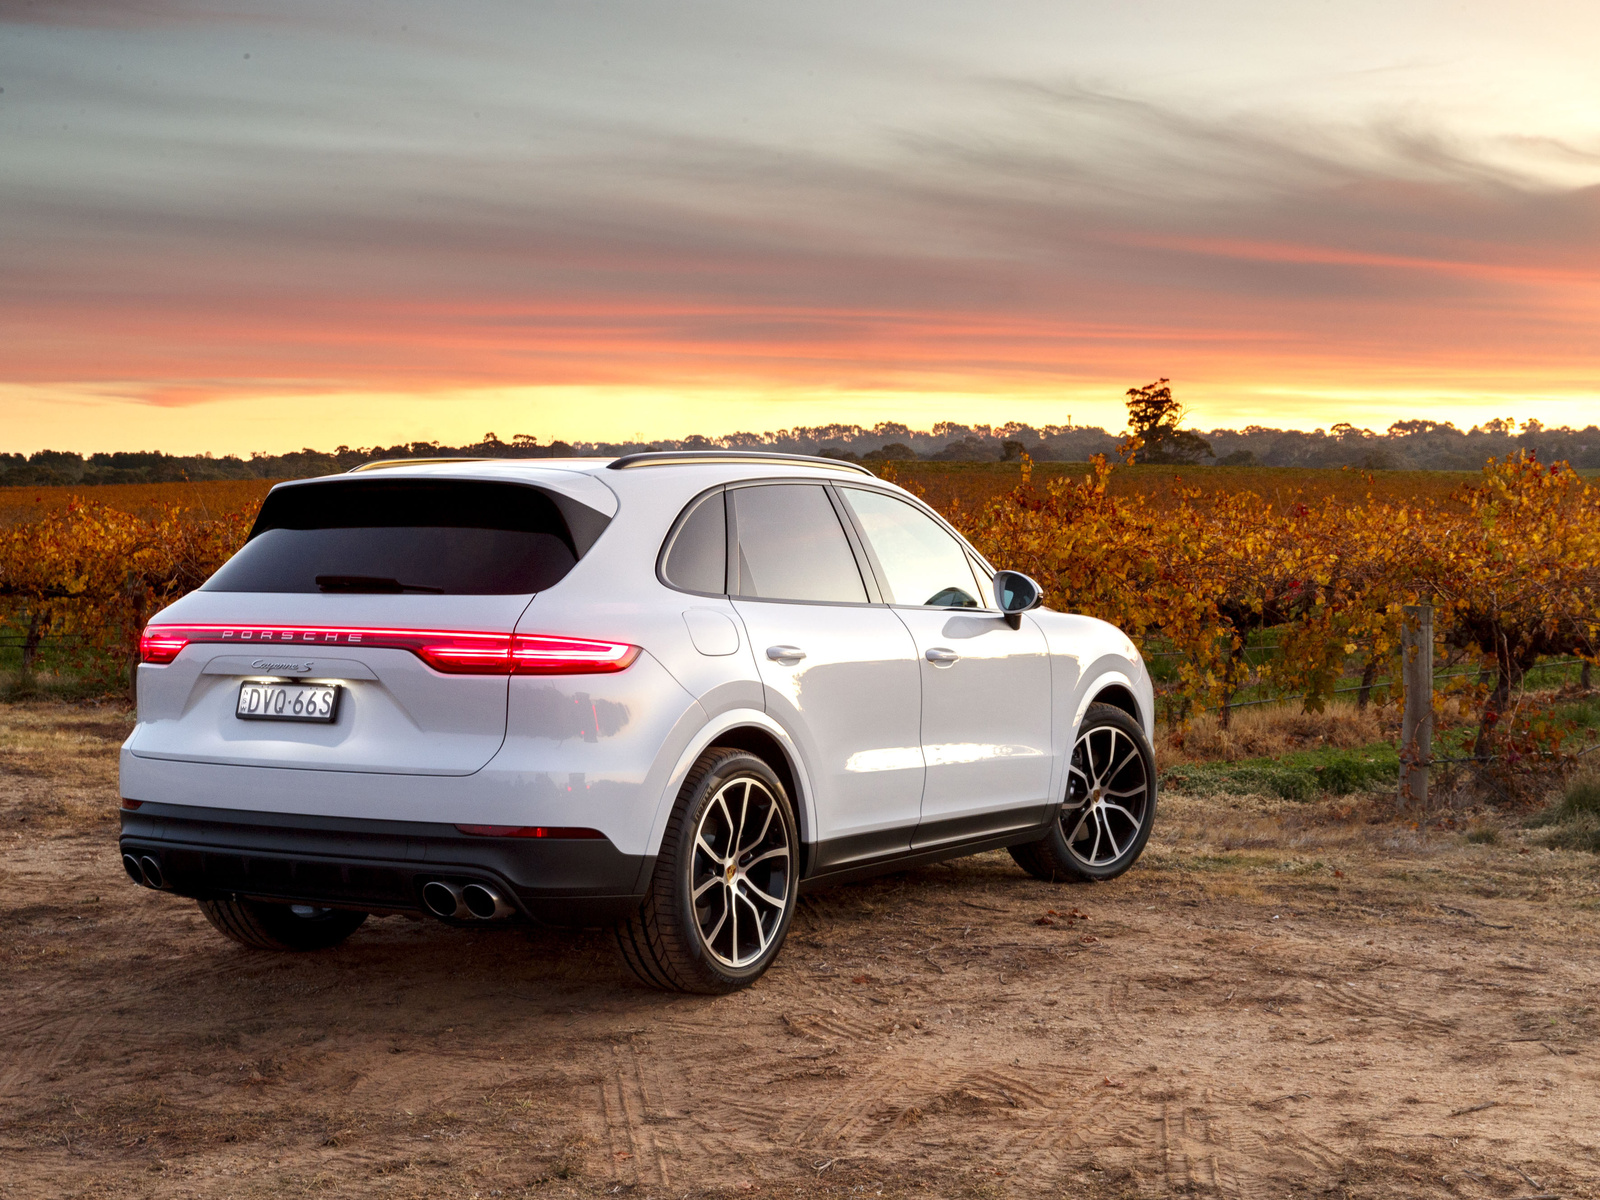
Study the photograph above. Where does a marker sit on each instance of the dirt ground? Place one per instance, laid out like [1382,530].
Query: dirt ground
[1281,999]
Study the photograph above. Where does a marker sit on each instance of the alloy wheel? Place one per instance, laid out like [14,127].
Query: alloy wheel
[1108,796]
[739,872]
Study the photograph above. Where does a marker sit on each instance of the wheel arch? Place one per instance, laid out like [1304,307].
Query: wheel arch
[1118,696]
[756,732]
[764,746]
[1116,687]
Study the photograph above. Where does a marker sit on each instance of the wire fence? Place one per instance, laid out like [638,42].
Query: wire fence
[1390,681]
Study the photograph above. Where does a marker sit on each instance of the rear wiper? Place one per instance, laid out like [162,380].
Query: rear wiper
[370,583]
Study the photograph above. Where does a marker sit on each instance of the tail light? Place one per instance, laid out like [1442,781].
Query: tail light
[451,652]
[160,644]
[536,654]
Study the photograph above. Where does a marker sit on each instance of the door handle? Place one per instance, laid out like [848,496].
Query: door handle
[787,655]
[941,656]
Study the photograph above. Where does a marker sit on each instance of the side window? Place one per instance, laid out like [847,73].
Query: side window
[792,547]
[697,558]
[920,562]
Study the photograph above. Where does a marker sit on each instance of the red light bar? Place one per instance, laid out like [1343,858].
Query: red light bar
[538,654]
[529,831]
[453,652]
[131,804]
[160,645]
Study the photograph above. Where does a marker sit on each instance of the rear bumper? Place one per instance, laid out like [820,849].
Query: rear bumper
[378,866]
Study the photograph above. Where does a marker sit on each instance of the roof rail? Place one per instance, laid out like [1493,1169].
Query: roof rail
[384,463]
[667,458]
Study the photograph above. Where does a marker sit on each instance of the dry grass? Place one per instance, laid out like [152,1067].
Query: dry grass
[55,758]
[1270,731]
[1573,823]
[1273,730]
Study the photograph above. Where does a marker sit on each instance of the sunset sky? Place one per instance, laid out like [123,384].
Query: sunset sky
[238,227]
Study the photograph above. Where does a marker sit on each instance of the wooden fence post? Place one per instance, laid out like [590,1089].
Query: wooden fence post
[1416,726]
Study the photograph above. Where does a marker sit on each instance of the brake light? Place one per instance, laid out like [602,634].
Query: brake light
[160,645]
[530,831]
[451,652]
[536,654]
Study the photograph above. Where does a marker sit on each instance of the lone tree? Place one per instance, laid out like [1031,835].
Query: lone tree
[1153,417]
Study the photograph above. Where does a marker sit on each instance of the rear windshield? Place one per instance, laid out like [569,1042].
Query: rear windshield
[440,537]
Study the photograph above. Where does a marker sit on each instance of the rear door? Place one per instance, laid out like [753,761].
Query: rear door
[838,672]
[402,593]
[986,726]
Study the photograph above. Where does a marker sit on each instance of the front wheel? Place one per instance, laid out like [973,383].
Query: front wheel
[263,926]
[1110,804]
[725,881]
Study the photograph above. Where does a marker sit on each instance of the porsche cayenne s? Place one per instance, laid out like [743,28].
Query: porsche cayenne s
[664,692]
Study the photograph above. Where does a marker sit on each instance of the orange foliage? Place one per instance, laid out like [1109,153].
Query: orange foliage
[1512,564]
[970,485]
[1201,562]
[96,573]
[216,497]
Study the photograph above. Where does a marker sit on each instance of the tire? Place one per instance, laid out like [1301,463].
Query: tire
[712,921]
[264,926]
[1110,804]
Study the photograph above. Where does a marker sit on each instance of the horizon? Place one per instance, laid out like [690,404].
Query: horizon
[243,227]
[1410,444]
[87,444]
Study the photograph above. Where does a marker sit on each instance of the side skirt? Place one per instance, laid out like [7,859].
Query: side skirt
[923,855]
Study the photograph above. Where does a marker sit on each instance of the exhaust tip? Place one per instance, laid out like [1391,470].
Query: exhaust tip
[130,864]
[485,903]
[444,899]
[150,869]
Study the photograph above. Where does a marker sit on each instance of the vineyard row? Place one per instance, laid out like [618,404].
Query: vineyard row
[1235,596]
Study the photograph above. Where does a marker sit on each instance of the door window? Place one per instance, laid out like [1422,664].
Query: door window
[920,563]
[792,547]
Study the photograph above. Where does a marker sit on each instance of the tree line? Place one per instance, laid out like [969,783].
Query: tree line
[1155,420]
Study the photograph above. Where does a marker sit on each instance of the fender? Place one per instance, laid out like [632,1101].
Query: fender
[1106,674]
[735,718]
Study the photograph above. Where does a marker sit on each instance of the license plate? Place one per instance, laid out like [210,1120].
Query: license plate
[288,702]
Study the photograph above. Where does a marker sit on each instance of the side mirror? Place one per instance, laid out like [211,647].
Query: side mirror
[1015,594]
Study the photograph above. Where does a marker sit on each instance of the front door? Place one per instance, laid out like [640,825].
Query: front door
[986,723]
[840,674]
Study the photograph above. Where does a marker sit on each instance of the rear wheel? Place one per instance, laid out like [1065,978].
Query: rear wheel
[725,881]
[1110,804]
[265,926]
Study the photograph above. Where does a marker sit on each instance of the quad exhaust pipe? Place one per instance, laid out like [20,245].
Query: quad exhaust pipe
[470,902]
[145,871]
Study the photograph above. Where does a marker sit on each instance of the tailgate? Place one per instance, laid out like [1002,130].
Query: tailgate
[395,712]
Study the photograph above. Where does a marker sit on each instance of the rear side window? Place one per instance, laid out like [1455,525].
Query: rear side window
[792,547]
[697,558]
[440,537]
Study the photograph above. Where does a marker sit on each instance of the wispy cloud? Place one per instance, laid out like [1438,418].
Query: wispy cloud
[1047,231]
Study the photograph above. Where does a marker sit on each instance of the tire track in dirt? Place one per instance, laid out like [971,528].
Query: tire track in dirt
[50,1045]
[625,1108]
[1348,998]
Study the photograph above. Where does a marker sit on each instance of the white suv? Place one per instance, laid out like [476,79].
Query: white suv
[665,691]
